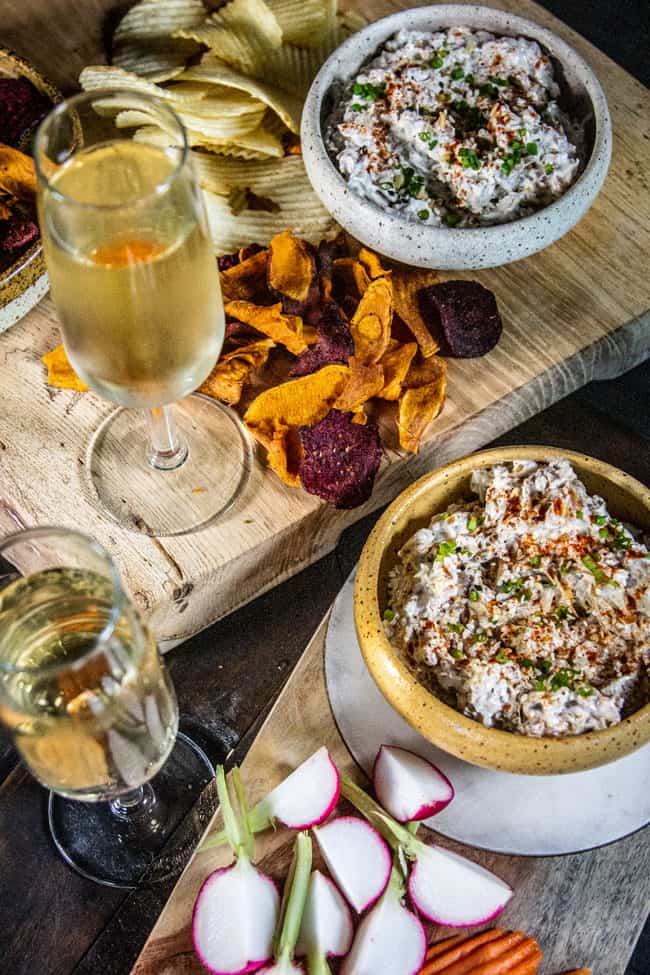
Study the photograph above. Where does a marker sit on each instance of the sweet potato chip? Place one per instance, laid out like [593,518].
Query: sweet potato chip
[418,407]
[370,262]
[349,279]
[275,416]
[17,174]
[291,268]
[231,373]
[371,322]
[270,321]
[60,373]
[396,362]
[406,284]
[366,380]
[247,280]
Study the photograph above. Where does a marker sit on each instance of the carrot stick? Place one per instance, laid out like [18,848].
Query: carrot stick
[441,946]
[528,966]
[464,947]
[483,954]
[509,961]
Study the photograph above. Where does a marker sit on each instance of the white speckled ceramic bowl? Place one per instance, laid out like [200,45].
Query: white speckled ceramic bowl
[445,247]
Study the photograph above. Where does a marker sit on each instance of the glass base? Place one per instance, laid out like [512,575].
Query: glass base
[205,483]
[113,845]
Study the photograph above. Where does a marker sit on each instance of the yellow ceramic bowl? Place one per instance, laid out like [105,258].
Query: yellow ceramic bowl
[626,498]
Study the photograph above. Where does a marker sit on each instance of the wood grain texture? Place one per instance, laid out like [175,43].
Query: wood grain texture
[575,312]
[584,910]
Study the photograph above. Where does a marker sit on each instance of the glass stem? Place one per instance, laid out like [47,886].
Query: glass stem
[166,450]
[139,816]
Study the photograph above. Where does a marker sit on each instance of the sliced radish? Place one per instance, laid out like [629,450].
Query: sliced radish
[236,910]
[408,786]
[326,930]
[448,889]
[304,799]
[234,919]
[357,858]
[293,906]
[390,940]
[443,886]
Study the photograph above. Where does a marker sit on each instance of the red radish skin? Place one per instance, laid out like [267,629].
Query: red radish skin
[306,798]
[398,772]
[358,859]
[205,912]
[450,890]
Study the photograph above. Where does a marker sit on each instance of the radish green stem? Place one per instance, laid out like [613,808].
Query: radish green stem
[293,901]
[231,826]
[215,839]
[374,813]
[317,964]
[248,840]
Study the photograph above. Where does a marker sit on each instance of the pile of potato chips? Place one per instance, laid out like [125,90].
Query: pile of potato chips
[237,79]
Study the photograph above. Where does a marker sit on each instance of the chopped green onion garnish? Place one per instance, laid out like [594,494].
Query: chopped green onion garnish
[579,515]
[437,61]
[501,657]
[456,653]
[599,575]
[526,595]
[522,132]
[446,548]
[544,666]
[472,524]
[561,679]
[469,158]
[469,78]
[513,584]
[451,219]
[480,637]
[585,691]
[474,596]
[368,91]
[456,627]
[493,620]
[531,148]
[423,214]
[502,82]
[487,89]
[356,107]
[601,519]
[535,560]
[603,534]
[428,138]
[562,612]
[389,615]
[526,663]
[457,73]
[539,685]
[548,169]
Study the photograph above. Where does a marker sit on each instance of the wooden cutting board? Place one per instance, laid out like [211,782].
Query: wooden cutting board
[579,310]
[584,910]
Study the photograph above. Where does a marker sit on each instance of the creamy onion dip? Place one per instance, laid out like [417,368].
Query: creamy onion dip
[527,608]
[457,127]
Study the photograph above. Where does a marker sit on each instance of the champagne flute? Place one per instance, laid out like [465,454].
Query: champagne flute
[135,282]
[91,708]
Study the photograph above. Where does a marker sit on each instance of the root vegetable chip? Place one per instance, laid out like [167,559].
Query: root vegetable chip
[232,371]
[275,416]
[333,345]
[291,267]
[246,280]
[153,19]
[350,279]
[60,373]
[405,296]
[371,263]
[366,380]
[21,109]
[270,321]
[371,322]
[17,174]
[396,362]
[340,459]
[468,315]
[419,405]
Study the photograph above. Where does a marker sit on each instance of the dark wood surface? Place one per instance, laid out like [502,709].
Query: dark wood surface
[53,922]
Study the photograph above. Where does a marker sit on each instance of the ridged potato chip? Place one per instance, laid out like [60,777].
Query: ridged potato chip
[304,22]
[223,128]
[293,68]
[150,19]
[244,33]
[158,60]
[152,135]
[111,77]
[212,71]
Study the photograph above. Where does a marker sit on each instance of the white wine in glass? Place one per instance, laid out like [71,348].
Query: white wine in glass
[91,708]
[135,282]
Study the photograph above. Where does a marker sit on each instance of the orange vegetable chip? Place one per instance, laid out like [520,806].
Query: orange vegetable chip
[419,405]
[231,373]
[366,381]
[406,283]
[247,280]
[370,262]
[60,373]
[275,416]
[370,325]
[349,279]
[396,362]
[269,320]
[17,173]
[292,267]
[5,208]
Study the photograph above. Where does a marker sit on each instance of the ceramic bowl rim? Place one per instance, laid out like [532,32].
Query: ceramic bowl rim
[516,752]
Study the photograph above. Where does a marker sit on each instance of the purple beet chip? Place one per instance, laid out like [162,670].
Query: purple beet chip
[466,312]
[340,459]
[21,232]
[21,109]
[334,345]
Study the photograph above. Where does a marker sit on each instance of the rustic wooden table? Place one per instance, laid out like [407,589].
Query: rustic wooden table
[54,922]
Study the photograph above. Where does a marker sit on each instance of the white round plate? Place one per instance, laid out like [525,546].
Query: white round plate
[521,814]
